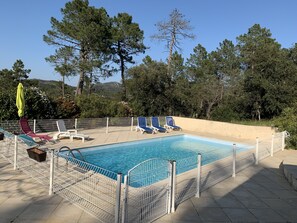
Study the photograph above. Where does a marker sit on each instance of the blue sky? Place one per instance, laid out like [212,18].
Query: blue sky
[23,23]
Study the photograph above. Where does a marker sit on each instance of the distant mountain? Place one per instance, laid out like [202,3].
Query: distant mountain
[108,88]
[54,88]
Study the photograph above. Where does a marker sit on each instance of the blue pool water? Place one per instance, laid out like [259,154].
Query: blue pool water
[121,157]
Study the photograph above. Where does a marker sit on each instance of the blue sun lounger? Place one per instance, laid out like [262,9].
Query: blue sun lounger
[156,125]
[141,125]
[170,124]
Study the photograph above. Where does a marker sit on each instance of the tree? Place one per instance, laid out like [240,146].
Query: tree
[127,41]
[180,90]
[172,31]
[86,30]
[64,62]
[19,71]
[9,79]
[147,85]
[269,77]
[212,75]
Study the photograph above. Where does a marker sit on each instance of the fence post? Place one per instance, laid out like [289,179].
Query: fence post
[131,123]
[15,158]
[118,198]
[34,125]
[272,142]
[234,160]
[51,172]
[283,140]
[107,121]
[125,199]
[172,182]
[257,151]
[75,123]
[198,175]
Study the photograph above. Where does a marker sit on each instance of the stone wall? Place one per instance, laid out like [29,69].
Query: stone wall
[223,128]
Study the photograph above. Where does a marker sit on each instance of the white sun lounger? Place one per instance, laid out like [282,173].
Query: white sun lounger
[70,133]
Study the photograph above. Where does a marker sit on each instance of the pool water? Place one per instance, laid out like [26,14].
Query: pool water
[121,157]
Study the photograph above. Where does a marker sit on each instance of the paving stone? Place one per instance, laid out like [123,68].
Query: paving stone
[204,202]
[263,193]
[186,214]
[54,199]
[12,208]
[66,210]
[285,193]
[22,220]
[267,215]
[290,214]
[252,185]
[292,201]
[228,201]
[241,193]
[276,203]
[240,215]
[215,192]
[252,202]
[38,211]
[165,219]
[63,220]
[213,214]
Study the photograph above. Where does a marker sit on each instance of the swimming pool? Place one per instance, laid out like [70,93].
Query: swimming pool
[121,157]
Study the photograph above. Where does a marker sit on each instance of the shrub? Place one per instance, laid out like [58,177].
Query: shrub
[66,108]
[288,121]
[92,106]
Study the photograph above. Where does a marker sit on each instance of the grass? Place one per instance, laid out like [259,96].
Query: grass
[269,122]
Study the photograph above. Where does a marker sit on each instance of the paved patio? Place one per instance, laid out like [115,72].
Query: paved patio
[257,194]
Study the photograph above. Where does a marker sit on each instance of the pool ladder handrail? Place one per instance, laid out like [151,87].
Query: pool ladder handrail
[71,152]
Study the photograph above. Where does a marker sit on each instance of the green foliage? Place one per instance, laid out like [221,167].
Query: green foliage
[287,121]
[127,40]
[8,109]
[269,77]
[147,86]
[212,77]
[66,108]
[119,109]
[9,79]
[19,72]
[64,62]
[87,31]
[37,104]
[225,113]
[253,79]
[92,106]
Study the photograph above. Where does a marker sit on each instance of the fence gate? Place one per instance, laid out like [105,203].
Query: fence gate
[148,191]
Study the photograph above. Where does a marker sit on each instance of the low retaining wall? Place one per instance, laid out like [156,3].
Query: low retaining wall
[223,128]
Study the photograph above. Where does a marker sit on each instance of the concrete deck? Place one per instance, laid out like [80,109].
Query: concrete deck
[257,194]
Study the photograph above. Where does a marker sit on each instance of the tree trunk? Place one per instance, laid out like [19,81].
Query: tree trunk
[90,84]
[124,96]
[170,52]
[80,84]
[208,110]
[63,86]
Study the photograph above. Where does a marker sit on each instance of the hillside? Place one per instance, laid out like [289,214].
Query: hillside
[53,88]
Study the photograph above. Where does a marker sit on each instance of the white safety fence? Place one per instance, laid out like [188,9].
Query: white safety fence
[149,190]
[90,187]
[14,150]
[105,124]
[186,183]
